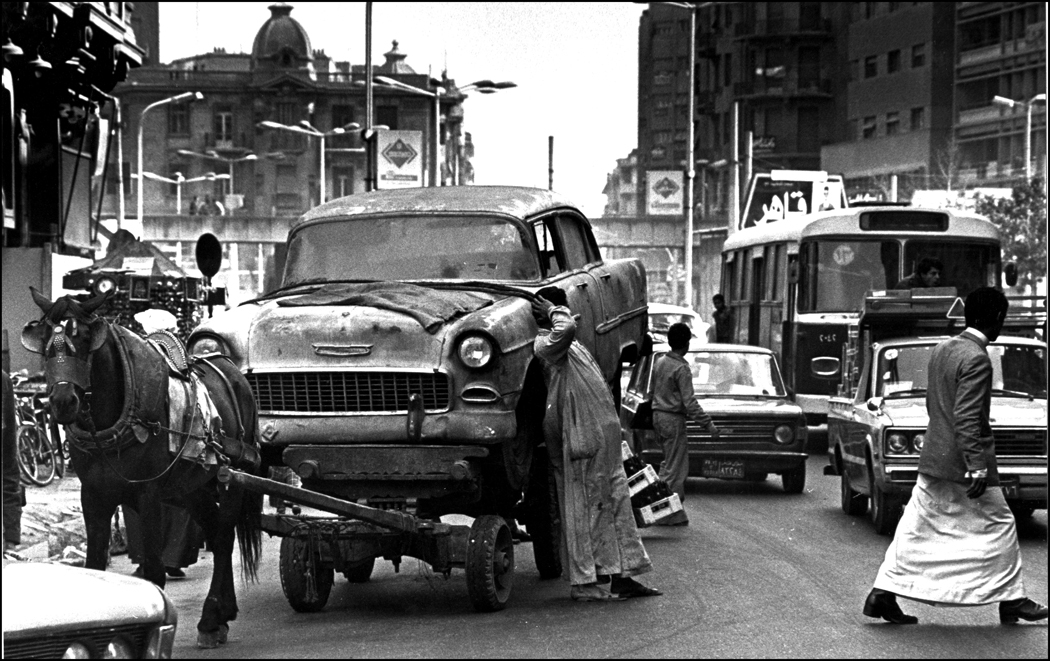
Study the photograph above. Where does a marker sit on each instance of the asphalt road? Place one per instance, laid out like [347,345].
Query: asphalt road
[757,573]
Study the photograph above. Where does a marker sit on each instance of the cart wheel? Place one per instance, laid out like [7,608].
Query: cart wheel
[794,479]
[360,573]
[305,582]
[490,563]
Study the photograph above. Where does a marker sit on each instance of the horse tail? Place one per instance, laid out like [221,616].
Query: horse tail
[249,533]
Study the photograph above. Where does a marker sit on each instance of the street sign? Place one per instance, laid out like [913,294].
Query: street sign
[400,161]
[665,193]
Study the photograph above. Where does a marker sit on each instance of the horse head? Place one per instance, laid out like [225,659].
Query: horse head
[67,336]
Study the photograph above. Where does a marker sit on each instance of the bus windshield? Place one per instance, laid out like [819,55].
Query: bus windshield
[838,272]
[967,266]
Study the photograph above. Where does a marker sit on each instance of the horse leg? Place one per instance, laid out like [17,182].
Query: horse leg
[97,513]
[151,513]
[212,629]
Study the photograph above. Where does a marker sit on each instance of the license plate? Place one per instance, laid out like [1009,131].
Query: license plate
[723,468]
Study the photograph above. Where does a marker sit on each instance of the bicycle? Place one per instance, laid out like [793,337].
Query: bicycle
[40,457]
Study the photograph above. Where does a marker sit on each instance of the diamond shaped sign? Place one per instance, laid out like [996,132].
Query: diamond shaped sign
[400,153]
[666,188]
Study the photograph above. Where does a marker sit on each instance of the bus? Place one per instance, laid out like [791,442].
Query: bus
[797,286]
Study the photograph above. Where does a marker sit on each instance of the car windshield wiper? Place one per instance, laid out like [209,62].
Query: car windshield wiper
[1012,393]
[910,392]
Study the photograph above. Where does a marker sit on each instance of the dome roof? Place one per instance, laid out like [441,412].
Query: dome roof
[282,38]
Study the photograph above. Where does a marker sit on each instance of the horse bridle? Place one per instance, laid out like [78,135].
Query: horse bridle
[63,368]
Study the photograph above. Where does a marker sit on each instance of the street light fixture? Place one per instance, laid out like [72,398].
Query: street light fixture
[178,98]
[305,128]
[178,181]
[215,156]
[1010,103]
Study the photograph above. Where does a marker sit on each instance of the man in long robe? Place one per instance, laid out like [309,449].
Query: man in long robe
[956,544]
[599,537]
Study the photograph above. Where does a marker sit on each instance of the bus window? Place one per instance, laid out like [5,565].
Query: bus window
[966,265]
[778,272]
[841,271]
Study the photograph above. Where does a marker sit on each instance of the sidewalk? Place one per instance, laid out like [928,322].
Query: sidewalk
[52,523]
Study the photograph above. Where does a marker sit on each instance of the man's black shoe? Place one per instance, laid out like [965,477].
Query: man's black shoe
[1021,609]
[883,604]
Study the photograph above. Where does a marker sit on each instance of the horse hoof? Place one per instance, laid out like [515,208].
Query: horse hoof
[207,640]
[224,633]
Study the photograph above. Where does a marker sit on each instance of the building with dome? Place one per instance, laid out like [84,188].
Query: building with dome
[266,176]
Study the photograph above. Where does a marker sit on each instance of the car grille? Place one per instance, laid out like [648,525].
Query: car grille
[1019,442]
[54,644]
[735,429]
[347,392]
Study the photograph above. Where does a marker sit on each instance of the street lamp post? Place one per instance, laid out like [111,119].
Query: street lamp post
[185,96]
[1010,103]
[178,181]
[218,157]
[304,127]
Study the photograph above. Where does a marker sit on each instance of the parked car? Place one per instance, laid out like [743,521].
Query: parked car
[53,611]
[395,362]
[740,387]
[662,316]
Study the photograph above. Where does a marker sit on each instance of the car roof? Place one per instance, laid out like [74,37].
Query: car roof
[516,201]
[665,308]
[937,339]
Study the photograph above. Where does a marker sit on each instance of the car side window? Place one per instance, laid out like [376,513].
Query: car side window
[550,263]
[640,374]
[575,244]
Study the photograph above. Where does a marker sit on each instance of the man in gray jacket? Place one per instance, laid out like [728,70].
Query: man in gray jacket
[956,544]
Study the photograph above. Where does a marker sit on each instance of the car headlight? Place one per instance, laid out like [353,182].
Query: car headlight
[918,441]
[118,648]
[897,442]
[207,344]
[476,351]
[784,434]
[77,651]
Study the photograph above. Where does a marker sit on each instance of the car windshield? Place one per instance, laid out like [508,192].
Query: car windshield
[727,373]
[1017,371]
[660,322]
[409,248]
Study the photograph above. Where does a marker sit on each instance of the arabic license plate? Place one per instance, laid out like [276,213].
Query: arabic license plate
[723,468]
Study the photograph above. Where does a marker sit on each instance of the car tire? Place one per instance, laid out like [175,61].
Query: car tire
[794,480]
[853,503]
[541,517]
[297,574]
[884,509]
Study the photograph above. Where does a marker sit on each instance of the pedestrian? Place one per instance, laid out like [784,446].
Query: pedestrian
[599,541]
[207,208]
[14,494]
[722,328]
[194,205]
[673,402]
[183,539]
[956,544]
[927,274]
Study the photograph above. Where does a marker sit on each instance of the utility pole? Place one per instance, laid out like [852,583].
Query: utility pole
[550,162]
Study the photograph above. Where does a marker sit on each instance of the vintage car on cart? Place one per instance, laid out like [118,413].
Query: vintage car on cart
[53,611]
[876,428]
[394,365]
[740,387]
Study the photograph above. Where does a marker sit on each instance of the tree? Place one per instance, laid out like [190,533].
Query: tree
[1021,219]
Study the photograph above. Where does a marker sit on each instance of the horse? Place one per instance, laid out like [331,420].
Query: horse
[109,387]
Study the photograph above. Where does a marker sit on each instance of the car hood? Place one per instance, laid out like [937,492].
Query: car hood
[748,406]
[1005,412]
[54,595]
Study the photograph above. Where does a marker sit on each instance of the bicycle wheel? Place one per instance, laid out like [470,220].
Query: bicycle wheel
[36,457]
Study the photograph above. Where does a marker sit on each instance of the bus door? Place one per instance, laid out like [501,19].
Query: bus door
[755,296]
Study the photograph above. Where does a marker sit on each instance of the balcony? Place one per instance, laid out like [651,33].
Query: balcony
[784,27]
[790,86]
[980,115]
[990,52]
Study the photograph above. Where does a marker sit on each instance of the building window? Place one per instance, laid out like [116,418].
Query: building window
[918,56]
[662,137]
[223,126]
[387,115]
[918,119]
[178,119]
[893,123]
[727,70]
[662,78]
[893,61]
[871,66]
[341,116]
[868,128]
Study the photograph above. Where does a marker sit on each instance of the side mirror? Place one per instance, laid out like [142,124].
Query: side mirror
[1010,273]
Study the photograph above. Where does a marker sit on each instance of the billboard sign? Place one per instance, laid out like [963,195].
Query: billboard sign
[665,196]
[399,159]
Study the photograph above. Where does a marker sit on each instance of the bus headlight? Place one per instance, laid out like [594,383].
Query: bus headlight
[918,441]
[784,434]
[476,351]
[897,442]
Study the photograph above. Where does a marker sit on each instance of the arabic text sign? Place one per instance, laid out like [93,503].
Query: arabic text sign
[399,159]
[665,193]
